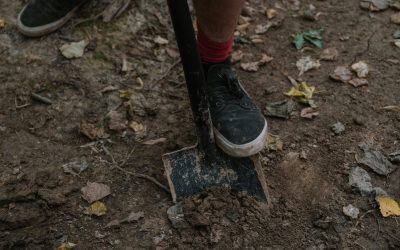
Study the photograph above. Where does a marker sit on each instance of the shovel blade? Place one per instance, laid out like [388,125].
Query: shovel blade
[189,173]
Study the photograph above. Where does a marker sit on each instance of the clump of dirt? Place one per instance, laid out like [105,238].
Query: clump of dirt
[223,218]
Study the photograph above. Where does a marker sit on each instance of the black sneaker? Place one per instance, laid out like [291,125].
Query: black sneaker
[41,17]
[239,127]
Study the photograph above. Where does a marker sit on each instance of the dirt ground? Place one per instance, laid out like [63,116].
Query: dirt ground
[41,206]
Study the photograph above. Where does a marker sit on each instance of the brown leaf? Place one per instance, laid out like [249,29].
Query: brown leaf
[91,131]
[309,113]
[253,66]
[94,191]
[358,82]
[156,141]
[341,74]
[329,54]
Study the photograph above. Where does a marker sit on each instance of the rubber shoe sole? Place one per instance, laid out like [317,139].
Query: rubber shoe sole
[44,29]
[244,150]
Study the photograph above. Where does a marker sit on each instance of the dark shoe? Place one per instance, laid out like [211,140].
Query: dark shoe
[41,17]
[239,127]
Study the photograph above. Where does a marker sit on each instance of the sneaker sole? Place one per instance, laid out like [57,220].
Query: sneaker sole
[44,29]
[243,150]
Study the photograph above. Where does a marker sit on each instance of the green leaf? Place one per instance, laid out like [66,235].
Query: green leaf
[299,41]
[316,42]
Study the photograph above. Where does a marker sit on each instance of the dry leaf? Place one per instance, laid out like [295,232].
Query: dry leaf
[242,27]
[125,93]
[160,40]
[270,13]
[94,191]
[66,246]
[136,127]
[358,82]
[397,43]
[133,217]
[74,49]
[156,141]
[361,68]
[236,56]
[92,132]
[98,208]
[341,74]
[254,66]
[2,23]
[273,142]
[309,113]
[388,206]
[329,54]
[306,63]
[303,93]
[140,82]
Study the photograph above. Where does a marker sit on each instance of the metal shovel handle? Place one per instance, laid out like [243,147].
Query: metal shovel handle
[193,70]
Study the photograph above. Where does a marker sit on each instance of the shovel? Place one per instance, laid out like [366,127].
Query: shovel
[203,166]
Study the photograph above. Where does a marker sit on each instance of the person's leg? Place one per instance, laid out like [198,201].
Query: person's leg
[41,17]
[239,127]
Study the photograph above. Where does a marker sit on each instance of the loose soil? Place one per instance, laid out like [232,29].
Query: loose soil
[41,206]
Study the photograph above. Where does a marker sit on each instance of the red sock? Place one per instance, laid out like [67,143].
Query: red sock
[211,51]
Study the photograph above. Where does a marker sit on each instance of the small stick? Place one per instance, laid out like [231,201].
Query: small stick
[168,71]
[41,98]
[142,176]
[20,106]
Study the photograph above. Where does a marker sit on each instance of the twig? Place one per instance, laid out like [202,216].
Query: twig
[168,71]
[20,106]
[41,98]
[142,176]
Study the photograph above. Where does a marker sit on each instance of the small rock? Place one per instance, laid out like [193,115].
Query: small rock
[176,216]
[74,49]
[338,128]
[358,120]
[375,160]
[361,68]
[360,179]
[351,211]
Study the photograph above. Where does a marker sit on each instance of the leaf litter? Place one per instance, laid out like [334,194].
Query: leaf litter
[303,93]
[282,109]
[312,36]
[307,63]
[341,74]
[309,113]
[375,160]
[329,54]
[92,131]
[361,68]
[75,167]
[254,66]
[98,208]
[388,206]
[94,191]
[74,49]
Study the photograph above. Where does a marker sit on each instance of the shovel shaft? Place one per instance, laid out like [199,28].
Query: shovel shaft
[193,70]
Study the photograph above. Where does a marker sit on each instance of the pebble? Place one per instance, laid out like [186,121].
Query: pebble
[351,211]
[360,179]
[338,128]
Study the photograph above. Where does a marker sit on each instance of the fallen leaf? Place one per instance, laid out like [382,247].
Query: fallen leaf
[256,39]
[242,27]
[98,208]
[66,246]
[74,49]
[156,141]
[94,191]
[329,54]
[312,36]
[306,63]
[136,127]
[282,109]
[75,167]
[341,74]
[303,93]
[2,23]
[133,216]
[361,68]
[273,143]
[92,131]
[270,13]
[358,82]
[160,40]
[395,18]
[140,82]
[375,160]
[254,66]
[388,206]
[236,56]
[397,42]
[309,113]
[126,66]
[125,93]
